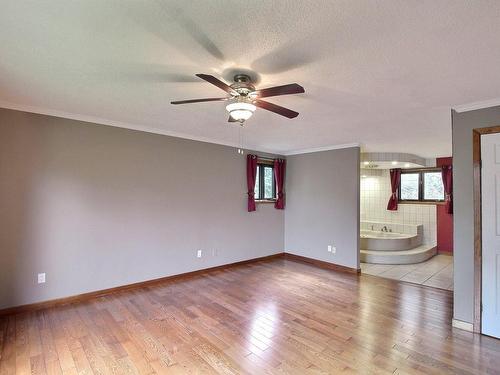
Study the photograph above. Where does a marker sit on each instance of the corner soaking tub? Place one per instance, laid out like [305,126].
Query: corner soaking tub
[388,241]
[393,243]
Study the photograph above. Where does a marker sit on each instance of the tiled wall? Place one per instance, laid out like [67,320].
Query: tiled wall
[375,193]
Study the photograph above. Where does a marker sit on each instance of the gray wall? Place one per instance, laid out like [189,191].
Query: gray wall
[96,207]
[323,206]
[463,217]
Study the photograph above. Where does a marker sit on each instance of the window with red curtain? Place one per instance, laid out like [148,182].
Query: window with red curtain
[421,185]
[279,174]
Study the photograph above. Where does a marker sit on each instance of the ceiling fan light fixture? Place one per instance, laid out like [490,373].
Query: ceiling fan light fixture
[240,111]
[245,98]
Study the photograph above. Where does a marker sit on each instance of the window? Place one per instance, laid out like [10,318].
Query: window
[265,185]
[433,186]
[410,183]
[422,185]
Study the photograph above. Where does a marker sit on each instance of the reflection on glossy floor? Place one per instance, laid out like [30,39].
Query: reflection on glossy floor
[273,317]
[436,272]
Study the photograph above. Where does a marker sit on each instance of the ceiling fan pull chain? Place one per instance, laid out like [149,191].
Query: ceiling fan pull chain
[240,139]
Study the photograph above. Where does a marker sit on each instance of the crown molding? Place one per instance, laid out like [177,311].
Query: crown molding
[477,105]
[125,125]
[149,129]
[324,148]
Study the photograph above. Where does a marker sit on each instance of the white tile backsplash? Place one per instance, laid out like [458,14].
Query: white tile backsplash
[375,192]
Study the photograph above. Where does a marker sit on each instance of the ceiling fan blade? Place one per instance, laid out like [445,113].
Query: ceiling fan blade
[276,109]
[292,88]
[200,100]
[217,82]
[231,119]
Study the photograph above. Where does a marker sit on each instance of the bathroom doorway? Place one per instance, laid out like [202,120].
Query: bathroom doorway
[411,242]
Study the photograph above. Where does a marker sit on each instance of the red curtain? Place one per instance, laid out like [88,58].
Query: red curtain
[251,174]
[395,179]
[447,175]
[279,175]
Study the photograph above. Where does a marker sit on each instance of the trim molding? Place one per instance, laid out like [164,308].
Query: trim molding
[99,293]
[460,324]
[154,130]
[477,105]
[142,284]
[319,149]
[478,242]
[321,263]
[123,125]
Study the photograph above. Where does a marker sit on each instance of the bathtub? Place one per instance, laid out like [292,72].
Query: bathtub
[388,241]
[393,243]
[380,234]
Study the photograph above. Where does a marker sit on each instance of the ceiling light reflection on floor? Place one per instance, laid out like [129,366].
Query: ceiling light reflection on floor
[263,326]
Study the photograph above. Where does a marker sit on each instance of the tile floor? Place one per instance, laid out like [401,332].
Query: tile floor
[436,272]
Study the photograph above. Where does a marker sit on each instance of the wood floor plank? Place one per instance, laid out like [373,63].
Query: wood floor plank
[270,317]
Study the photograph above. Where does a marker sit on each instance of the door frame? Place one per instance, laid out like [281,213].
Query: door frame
[478,265]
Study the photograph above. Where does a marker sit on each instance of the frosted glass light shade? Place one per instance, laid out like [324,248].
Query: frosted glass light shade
[240,111]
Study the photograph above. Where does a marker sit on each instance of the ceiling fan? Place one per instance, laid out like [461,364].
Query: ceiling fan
[245,98]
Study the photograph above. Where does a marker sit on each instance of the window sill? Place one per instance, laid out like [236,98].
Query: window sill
[265,201]
[422,202]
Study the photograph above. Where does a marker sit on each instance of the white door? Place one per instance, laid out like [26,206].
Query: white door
[490,190]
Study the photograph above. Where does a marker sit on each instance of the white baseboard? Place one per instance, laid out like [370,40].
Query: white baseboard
[460,324]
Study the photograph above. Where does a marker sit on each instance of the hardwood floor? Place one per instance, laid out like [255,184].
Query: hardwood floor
[273,317]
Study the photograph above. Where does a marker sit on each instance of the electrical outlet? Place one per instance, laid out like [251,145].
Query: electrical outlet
[41,278]
[329,248]
[334,249]
[199,254]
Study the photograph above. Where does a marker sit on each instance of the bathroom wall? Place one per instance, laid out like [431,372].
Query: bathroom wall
[375,192]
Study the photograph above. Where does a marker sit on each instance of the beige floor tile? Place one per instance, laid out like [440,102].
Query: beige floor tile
[376,269]
[398,271]
[437,283]
[365,266]
[431,267]
[446,272]
[436,272]
[416,277]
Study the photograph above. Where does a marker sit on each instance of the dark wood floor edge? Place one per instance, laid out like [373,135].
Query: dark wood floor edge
[99,293]
[321,263]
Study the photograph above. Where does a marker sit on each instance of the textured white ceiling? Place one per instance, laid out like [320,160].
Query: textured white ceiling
[381,73]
